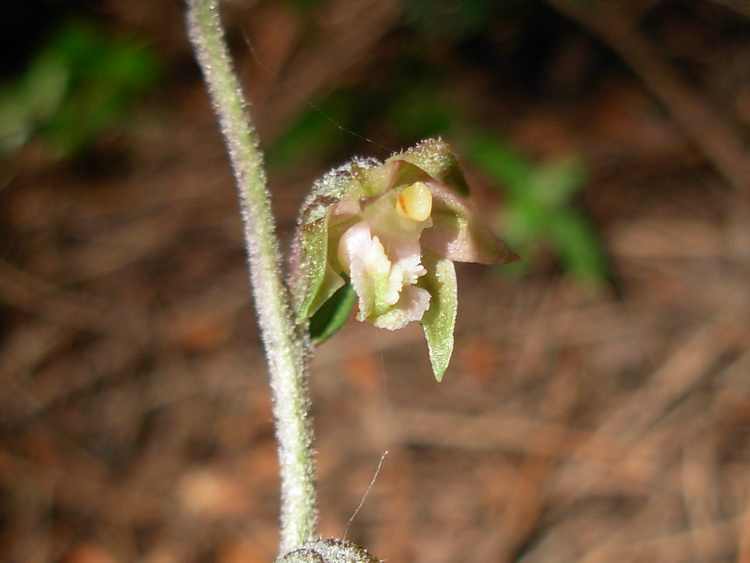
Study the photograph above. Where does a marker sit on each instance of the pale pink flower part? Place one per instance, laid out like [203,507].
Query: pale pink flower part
[384,277]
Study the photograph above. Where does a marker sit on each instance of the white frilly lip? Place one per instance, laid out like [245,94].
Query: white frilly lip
[384,276]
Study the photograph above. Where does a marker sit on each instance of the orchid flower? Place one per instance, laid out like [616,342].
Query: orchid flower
[388,234]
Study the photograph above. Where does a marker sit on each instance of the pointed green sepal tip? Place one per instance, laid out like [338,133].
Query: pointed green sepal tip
[439,320]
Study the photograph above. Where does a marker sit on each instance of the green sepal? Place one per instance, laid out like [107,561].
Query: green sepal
[309,276]
[312,279]
[435,158]
[439,321]
[332,315]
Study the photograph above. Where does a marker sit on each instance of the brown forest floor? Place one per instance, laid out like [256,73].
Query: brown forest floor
[571,426]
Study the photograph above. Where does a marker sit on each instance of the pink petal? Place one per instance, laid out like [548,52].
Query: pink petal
[459,232]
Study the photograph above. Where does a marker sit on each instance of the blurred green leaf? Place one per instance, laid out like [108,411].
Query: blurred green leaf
[501,163]
[78,85]
[554,183]
[303,5]
[419,111]
[455,18]
[578,246]
[314,134]
[539,209]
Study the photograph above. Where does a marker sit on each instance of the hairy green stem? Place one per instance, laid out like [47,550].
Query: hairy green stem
[286,344]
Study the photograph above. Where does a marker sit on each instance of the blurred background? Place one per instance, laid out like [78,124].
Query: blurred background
[597,407]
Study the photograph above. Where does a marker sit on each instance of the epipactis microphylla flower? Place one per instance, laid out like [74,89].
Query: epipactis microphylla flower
[391,232]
